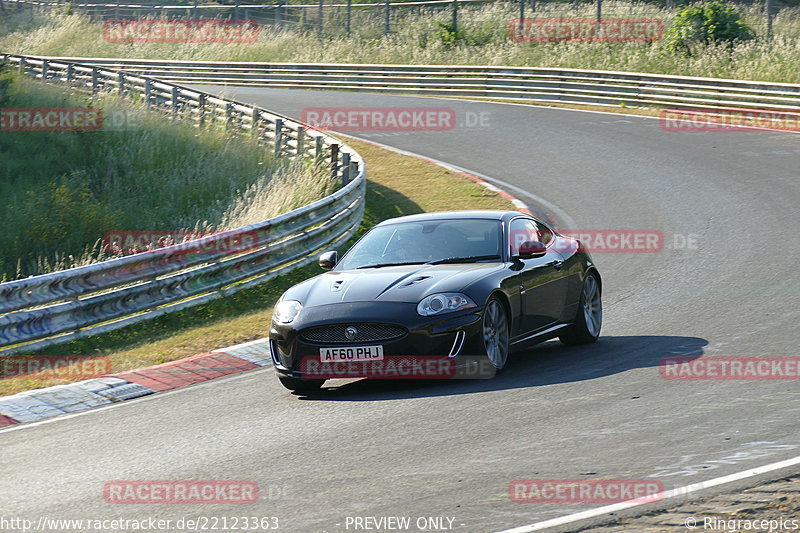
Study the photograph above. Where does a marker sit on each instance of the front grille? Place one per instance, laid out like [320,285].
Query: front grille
[366,333]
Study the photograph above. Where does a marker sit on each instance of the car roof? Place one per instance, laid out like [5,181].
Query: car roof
[455,215]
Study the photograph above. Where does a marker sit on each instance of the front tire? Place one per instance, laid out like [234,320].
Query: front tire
[495,332]
[303,386]
[589,320]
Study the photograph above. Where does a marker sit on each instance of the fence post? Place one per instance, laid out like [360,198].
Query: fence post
[345,168]
[194,10]
[116,11]
[386,19]
[521,11]
[334,160]
[236,10]
[70,72]
[45,67]
[319,30]
[279,15]
[121,84]
[278,136]
[349,7]
[22,65]
[228,114]
[94,79]
[769,17]
[254,116]
[147,92]
[599,16]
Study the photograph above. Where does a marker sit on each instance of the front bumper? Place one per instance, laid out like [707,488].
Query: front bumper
[450,335]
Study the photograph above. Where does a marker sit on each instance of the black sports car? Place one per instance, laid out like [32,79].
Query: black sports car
[453,286]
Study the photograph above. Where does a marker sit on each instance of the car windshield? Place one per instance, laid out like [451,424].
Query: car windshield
[428,241]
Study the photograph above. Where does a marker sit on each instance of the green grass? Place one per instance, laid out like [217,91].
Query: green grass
[60,192]
[398,185]
[419,39]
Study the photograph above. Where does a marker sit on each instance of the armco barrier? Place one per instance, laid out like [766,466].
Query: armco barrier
[42,310]
[515,83]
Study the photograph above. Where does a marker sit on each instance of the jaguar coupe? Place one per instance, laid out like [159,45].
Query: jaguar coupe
[454,285]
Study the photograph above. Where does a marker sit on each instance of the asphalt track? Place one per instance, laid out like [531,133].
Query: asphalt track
[450,449]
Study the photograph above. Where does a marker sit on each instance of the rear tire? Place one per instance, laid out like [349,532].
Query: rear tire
[589,319]
[304,386]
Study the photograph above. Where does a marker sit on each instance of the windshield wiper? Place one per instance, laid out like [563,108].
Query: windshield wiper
[470,259]
[379,265]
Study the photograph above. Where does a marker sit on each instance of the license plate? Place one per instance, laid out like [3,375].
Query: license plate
[353,353]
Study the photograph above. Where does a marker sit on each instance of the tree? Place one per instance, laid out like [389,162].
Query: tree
[706,22]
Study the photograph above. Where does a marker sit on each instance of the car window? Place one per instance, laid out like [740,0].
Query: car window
[521,230]
[425,241]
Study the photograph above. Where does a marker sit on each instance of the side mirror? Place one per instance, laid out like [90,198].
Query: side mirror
[531,249]
[328,260]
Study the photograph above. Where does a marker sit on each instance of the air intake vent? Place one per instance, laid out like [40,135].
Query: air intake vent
[415,281]
[364,333]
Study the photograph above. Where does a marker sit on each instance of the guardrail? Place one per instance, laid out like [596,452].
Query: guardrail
[572,86]
[42,310]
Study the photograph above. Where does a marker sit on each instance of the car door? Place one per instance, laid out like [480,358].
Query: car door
[542,286]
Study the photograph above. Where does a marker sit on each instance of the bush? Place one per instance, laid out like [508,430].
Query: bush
[707,22]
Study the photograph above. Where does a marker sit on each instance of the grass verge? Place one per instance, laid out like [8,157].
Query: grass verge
[398,185]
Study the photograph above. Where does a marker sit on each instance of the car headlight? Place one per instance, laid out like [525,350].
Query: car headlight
[446,302]
[286,311]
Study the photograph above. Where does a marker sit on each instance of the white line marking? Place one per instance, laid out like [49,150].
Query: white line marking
[161,394]
[680,491]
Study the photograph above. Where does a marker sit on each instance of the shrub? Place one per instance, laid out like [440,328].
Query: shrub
[708,22]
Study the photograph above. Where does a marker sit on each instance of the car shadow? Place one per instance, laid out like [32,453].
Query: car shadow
[546,364]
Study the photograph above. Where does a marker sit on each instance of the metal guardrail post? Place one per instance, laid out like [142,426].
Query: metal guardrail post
[228,114]
[318,154]
[345,169]
[386,19]
[70,72]
[174,101]
[201,109]
[301,140]
[455,16]
[22,65]
[236,10]
[254,118]
[95,72]
[121,80]
[278,136]
[45,67]
[148,90]
[334,161]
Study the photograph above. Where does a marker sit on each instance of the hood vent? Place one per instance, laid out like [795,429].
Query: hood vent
[415,281]
[337,285]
